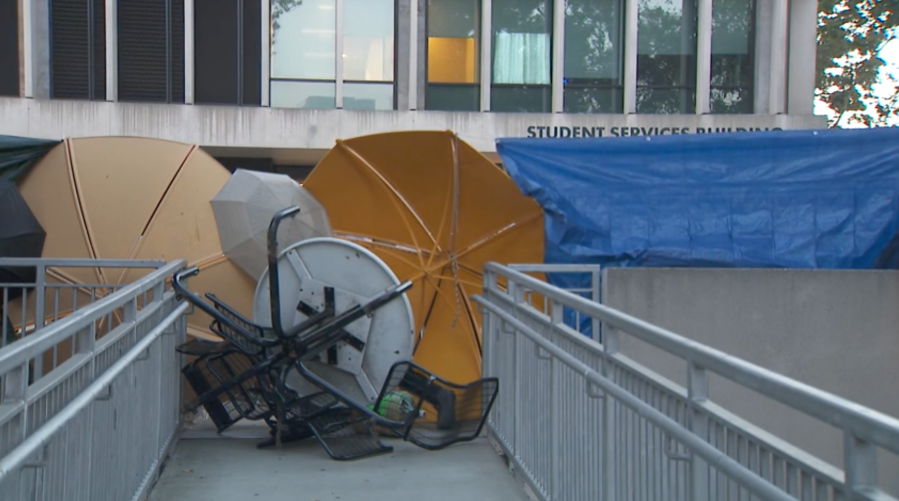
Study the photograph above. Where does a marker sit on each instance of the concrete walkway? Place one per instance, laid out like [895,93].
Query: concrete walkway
[233,469]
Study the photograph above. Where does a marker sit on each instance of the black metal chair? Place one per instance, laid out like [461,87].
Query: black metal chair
[244,377]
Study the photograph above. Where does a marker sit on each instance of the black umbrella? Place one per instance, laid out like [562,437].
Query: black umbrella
[21,235]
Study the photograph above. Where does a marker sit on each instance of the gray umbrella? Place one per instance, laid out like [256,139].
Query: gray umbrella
[244,208]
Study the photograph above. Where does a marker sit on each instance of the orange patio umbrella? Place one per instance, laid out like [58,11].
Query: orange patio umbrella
[435,210]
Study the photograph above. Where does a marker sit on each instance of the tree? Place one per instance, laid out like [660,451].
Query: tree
[281,7]
[850,35]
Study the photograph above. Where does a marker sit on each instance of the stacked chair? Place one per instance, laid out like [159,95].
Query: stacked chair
[244,377]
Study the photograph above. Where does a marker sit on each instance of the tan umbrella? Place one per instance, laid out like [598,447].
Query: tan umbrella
[244,208]
[133,198]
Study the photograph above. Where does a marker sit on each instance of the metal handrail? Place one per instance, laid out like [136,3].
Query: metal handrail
[81,263]
[30,347]
[716,458]
[41,437]
[865,423]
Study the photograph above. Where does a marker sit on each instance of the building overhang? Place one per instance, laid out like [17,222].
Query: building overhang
[304,136]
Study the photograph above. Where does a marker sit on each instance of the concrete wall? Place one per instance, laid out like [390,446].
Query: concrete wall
[836,330]
[231,126]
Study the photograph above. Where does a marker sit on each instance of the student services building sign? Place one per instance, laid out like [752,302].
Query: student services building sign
[563,131]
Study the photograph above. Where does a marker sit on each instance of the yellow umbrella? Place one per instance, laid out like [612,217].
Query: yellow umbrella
[132,198]
[435,210]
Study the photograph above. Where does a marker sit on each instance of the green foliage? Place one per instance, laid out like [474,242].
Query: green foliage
[849,38]
[281,7]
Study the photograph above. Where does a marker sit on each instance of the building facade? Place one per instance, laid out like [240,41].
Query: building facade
[279,81]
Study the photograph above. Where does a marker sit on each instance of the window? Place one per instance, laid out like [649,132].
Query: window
[227,47]
[304,54]
[594,51]
[453,55]
[733,43]
[9,48]
[303,64]
[666,56]
[522,44]
[151,50]
[77,49]
[368,34]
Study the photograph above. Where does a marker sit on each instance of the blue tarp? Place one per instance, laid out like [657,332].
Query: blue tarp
[790,199]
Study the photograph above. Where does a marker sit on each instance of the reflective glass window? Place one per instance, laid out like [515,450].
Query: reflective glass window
[303,61]
[594,52]
[453,42]
[368,54]
[522,48]
[666,56]
[733,51]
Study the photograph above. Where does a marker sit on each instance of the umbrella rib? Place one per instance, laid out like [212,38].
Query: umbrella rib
[446,205]
[398,196]
[506,229]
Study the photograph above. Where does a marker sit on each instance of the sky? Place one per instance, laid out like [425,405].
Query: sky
[888,85]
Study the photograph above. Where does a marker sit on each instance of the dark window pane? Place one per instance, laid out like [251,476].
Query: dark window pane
[733,44]
[227,49]
[151,50]
[9,48]
[78,49]
[453,55]
[665,100]
[593,100]
[594,53]
[452,97]
[666,63]
[216,51]
[251,63]
[521,99]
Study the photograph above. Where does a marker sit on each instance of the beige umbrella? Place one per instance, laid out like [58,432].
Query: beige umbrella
[244,208]
[132,198]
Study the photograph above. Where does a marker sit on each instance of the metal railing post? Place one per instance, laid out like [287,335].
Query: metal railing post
[556,317]
[697,392]
[860,463]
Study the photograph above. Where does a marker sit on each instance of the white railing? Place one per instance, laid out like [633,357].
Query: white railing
[581,421]
[98,425]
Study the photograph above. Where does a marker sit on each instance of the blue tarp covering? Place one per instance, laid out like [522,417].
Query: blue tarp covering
[791,199]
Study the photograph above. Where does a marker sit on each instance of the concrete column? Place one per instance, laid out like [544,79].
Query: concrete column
[558,56]
[777,101]
[24,36]
[404,47]
[40,49]
[412,50]
[266,47]
[703,57]
[486,52]
[189,78]
[112,50]
[761,80]
[802,49]
[421,42]
[631,24]
[338,43]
